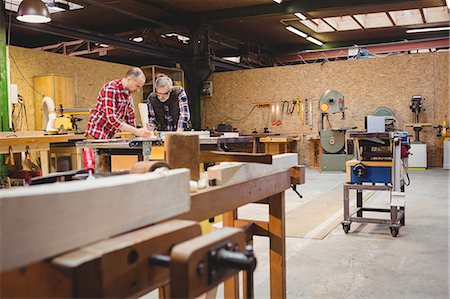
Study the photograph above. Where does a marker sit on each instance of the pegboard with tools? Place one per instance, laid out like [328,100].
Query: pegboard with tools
[299,106]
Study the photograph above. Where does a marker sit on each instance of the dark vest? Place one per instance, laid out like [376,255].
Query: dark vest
[158,107]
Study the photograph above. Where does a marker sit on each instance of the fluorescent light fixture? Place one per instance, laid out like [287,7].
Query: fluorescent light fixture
[278,1]
[314,41]
[179,37]
[58,7]
[302,17]
[138,39]
[427,29]
[235,59]
[296,31]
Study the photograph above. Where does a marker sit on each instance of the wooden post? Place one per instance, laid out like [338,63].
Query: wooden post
[231,285]
[183,151]
[277,246]
[44,162]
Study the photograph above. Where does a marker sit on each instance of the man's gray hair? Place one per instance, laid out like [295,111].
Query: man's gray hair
[164,82]
[135,73]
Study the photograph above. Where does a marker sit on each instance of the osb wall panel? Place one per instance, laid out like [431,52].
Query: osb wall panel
[366,84]
[89,76]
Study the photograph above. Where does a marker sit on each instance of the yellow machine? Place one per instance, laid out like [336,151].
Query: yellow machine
[61,120]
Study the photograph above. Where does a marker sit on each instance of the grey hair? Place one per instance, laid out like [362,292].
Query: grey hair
[135,73]
[164,82]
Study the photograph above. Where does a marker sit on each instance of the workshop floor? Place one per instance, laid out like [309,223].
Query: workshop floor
[368,262]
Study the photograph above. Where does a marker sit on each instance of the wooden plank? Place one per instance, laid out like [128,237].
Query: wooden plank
[21,148]
[38,222]
[232,173]
[216,156]
[28,140]
[214,201]
[182,151]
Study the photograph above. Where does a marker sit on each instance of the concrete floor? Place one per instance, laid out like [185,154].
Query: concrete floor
[368,262]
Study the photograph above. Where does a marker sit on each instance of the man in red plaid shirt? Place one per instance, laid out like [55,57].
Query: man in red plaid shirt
[114,110]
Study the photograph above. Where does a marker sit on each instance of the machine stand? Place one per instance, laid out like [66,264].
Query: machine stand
[397,210]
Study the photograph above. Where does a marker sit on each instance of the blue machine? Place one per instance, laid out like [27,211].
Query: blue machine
[374,157]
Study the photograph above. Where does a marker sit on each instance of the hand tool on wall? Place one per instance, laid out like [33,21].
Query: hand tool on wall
[305,111]
[297,104]
[310,114]
[302,111]
[291,110]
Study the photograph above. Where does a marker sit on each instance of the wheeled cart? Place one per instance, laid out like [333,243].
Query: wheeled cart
[397,210]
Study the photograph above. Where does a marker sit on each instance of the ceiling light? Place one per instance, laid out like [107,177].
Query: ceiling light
[300,16]
[278,1]
[138,39]
[448,4]
[296,31]
[427,29]
[179,37]
[58,6]
[314,41]
[33,11]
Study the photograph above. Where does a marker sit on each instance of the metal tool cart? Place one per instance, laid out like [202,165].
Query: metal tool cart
[378,166]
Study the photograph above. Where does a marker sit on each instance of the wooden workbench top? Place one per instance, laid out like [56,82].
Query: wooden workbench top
[20,138]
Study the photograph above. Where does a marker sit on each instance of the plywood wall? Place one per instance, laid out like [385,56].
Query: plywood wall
[89,76]
[366,84]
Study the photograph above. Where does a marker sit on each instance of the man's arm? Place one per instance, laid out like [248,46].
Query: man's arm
[129,114]
[185,116]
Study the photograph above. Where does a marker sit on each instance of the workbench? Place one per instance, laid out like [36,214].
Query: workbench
[44,278]
[34,141]
[257,140]
[150,148]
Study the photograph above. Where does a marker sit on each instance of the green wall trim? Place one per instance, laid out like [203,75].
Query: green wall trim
[4,115]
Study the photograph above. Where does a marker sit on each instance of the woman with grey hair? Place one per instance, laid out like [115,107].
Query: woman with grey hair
[168,108]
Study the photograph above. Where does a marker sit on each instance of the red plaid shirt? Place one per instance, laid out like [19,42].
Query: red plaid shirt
[113,109]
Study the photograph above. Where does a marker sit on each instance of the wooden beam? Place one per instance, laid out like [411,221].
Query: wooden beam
[232,173]
[214,201]
[216,156]
[41,221]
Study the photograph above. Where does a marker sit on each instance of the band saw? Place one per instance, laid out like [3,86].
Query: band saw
[332,139]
